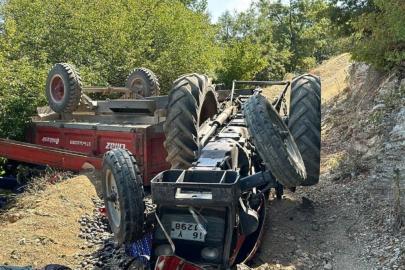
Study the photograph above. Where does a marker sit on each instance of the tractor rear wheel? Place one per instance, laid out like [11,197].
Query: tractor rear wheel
[143,81]
[273,141]
[192,101]
[63,88]
[305,123]
[123,195]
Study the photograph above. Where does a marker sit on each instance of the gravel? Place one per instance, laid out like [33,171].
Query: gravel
[100,250]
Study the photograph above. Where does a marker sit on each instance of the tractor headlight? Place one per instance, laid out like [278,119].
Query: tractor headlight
[164,250]
[210,253]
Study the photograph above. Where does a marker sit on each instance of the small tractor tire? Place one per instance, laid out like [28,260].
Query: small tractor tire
[305,123]
[63,88]
[273,141]
[144,82]
[123,195]
[192,101]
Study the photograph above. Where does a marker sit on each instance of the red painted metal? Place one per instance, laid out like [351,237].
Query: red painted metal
[69,148]
[174,263]
[65,160]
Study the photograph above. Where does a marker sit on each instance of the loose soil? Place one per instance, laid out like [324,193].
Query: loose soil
[43,228]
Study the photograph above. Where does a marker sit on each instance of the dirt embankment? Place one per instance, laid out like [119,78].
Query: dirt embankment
[43,228]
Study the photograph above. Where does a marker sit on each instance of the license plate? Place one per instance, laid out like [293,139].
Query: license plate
[187,231]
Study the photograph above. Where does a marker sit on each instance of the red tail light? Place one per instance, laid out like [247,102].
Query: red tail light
[174,263]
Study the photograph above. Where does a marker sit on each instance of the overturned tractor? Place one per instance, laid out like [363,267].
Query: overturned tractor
[209,209]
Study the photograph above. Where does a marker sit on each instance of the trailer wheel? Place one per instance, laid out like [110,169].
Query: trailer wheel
[143,81]
[123,195]
[273,141]
[63,88]
[192,101]
[305,123]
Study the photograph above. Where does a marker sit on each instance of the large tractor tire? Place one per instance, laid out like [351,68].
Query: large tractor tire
[123,195]
[63,88]
[144,82]
[191,102]
[305,123]
[273,141]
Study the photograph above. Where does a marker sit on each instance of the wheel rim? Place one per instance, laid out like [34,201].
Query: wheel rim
[138,85]
[57,88]
[286,137]
[113,204]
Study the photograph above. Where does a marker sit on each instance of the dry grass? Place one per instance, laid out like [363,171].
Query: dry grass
[333,73]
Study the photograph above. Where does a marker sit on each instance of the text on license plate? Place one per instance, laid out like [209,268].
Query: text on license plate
[187,231]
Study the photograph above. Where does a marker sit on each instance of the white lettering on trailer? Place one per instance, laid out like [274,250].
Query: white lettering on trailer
[81,143]
[111,145]
[50,140]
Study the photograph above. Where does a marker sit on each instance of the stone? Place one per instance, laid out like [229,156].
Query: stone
[315,227]
[291,237]
[328,266]
[378,107]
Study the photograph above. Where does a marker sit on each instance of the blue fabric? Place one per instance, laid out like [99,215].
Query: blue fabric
[141,247]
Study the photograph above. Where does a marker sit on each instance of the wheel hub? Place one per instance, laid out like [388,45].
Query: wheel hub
[57,88]
[139,86]
[112,197]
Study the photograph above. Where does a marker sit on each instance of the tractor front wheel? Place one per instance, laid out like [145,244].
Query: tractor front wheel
[123,195]
[273,141]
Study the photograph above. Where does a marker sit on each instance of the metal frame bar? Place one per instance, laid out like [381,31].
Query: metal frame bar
[106,90]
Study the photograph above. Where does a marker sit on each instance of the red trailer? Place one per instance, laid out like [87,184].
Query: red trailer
[76,130]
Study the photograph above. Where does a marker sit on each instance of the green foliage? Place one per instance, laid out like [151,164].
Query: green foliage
[343,13]
[303,29]
[104,39]
[282,38]
[3,162]
[380,35]
[241,61]
[24,173]
[21,92]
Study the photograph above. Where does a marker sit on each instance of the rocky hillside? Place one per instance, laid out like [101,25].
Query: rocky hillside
[354,218]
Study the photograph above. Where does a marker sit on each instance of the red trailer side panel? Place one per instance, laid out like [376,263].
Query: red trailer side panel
[145,143]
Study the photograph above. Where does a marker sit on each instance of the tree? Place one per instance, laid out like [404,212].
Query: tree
[343,13]
[380,36]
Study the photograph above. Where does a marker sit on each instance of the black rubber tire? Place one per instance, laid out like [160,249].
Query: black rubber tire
[147,82]
[72,88]
[305,123]
[192,101]
[281,156]
[121,165]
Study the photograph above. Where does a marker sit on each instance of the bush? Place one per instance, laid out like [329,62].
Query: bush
[380,35]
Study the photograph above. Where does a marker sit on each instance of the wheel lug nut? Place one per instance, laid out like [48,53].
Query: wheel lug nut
[112,197]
